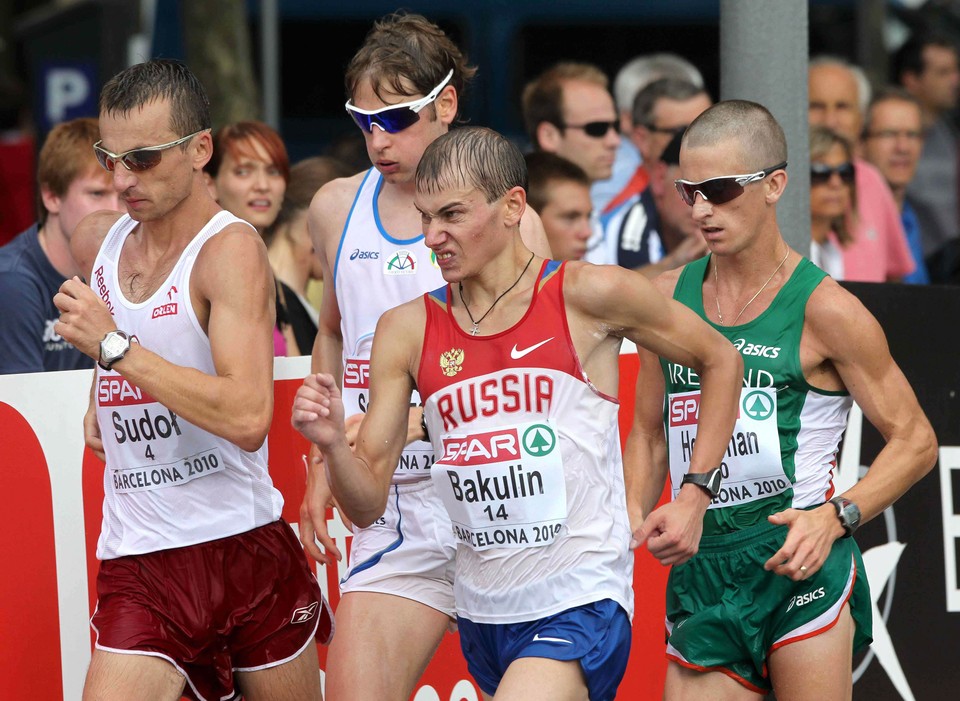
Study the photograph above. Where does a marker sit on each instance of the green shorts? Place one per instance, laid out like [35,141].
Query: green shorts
[726,613]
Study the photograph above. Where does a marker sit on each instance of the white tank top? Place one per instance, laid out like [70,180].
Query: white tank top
[373,272]
[168,483]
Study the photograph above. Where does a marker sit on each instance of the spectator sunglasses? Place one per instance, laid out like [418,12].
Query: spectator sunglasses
[820,173]
[395,118]
[138,159]
[597,130]
[724,188]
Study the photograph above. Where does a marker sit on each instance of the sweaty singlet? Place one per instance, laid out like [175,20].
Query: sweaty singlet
[373,272]
[168,483]
[787,433]
[530,469]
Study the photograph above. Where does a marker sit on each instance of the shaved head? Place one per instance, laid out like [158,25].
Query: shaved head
[761,138]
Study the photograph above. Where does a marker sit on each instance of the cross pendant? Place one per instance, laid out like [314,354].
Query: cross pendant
[475,330]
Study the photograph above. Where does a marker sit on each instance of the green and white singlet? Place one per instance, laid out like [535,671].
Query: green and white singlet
[785,441]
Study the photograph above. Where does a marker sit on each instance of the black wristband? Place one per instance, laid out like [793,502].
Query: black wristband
[423,425]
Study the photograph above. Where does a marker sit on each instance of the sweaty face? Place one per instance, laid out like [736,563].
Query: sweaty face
[151,194]
[249,184]
[584,103]
[566,219]
[396,155]
[90,192]
[831,199]
[732,226]
[895,141]
[833,101]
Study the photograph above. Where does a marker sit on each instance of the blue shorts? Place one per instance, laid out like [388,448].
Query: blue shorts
[598,635]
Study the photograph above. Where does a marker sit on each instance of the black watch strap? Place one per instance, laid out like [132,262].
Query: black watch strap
[707,481]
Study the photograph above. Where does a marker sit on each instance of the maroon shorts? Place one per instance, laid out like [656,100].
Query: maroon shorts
[241,603]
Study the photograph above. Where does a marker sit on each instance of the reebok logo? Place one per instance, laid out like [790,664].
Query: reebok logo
[804,599]
[544,639]
[516,353]
[305,613]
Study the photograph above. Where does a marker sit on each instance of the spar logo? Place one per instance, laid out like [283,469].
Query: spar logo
[493,446]
[539,440]
[684,409]
[356,373]
[116,391]
[758,406]
[401,263]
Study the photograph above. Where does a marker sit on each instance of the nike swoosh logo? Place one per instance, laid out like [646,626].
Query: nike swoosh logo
[538,639]
[516,353]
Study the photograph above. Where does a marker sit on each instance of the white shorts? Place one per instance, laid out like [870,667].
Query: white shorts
[408,552]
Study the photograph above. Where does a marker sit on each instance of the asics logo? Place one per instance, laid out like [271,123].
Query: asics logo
[545,639]
[804,599]
[516,353]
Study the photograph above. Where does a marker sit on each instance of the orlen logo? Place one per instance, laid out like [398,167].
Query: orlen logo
[116,391]
[356,373]
[164,310]
[684,409]
[756,349]
[483,447]
[364,255]
[804,599]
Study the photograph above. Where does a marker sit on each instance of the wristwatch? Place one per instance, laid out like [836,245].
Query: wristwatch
[848,513]
[112,348]
[707,481]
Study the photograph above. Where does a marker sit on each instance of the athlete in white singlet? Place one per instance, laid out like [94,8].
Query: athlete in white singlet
[397,596]
[519,371]
[203,590]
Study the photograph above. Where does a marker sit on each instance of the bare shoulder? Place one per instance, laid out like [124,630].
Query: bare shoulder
[666,282]
[88,237]
[838,323]
[401,329]
[587,284]
[236,252]
[331,205]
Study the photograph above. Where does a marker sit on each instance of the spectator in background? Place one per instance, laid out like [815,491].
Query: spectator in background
[18,203]
[926,66]
[633,77]
[838,97]
[560,192]
[568,111]
[294,262]
[892,141]
[832,199]
[39,260]
[248,175]
[661,110]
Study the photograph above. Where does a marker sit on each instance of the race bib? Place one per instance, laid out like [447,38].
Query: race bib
[752,468]
[503,488]
[146,477]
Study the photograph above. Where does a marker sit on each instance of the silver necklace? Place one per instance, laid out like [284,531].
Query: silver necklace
[475,329]
[716,290]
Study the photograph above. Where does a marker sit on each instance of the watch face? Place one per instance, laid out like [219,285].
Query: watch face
[113,345]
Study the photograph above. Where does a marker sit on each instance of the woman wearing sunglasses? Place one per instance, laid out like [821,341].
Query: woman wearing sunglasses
[833,199]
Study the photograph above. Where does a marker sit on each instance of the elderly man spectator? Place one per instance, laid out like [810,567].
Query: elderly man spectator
[926,66]
[838,97]
[892,141]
